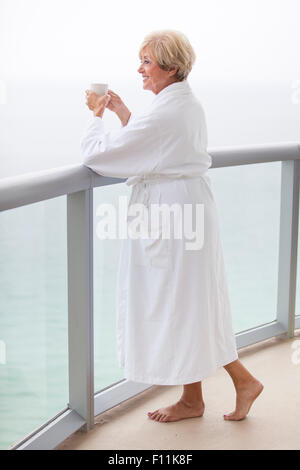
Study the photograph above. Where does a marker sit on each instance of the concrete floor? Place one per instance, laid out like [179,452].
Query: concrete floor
[273,422]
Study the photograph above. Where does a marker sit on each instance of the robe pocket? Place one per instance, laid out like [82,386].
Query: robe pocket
[155,252]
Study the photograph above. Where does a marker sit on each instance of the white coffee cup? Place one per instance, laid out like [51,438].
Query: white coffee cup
[99,88]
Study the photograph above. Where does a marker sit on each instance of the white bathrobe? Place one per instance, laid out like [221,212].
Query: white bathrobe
[174,323]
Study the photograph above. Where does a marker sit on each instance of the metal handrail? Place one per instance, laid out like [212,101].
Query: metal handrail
[38,186]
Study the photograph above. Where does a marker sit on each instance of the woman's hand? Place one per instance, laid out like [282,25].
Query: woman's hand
[96,103]
[117,106]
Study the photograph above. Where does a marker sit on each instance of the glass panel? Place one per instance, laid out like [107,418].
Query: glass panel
[106,261]
[33,317]
[248,201]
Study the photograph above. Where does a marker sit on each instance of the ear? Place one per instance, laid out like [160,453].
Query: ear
[173,70]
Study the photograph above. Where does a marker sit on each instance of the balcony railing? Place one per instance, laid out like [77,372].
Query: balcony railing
[78,182]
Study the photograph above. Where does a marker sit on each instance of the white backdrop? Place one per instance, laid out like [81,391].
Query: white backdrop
[232,38]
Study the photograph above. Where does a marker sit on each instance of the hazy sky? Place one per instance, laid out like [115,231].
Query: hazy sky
[247,72]
[233,39]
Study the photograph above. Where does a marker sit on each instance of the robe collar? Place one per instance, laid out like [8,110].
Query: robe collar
[176,88]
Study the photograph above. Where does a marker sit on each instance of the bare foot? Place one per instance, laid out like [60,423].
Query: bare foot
[179,410]
[245,397]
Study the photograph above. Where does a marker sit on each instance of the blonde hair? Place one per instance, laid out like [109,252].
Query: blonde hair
[170,48]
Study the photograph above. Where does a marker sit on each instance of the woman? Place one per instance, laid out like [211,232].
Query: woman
[173,320]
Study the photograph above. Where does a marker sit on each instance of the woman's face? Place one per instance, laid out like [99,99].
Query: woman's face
[154,78]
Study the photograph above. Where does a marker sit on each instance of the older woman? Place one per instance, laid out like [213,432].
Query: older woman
[174,321]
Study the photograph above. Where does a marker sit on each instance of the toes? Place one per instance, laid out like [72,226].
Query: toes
[157,416]
[152,413]
[233,417]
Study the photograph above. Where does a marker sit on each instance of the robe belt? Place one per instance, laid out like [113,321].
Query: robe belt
[141,184]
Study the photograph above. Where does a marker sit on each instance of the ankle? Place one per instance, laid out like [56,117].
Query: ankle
[242,384]
[192,401]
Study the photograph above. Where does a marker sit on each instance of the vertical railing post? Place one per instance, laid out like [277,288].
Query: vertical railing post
[80,302]
[288,244]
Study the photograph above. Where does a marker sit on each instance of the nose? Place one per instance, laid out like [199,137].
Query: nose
[140,68]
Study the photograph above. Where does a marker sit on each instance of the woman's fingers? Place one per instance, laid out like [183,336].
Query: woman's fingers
[98,103]
[93,100]
[114,95]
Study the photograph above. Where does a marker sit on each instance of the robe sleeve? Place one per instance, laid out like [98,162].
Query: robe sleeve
[133,150]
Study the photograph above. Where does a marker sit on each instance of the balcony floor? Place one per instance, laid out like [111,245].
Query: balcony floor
[273,422]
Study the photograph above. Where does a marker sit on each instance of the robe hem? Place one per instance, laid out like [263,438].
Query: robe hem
[177,381]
